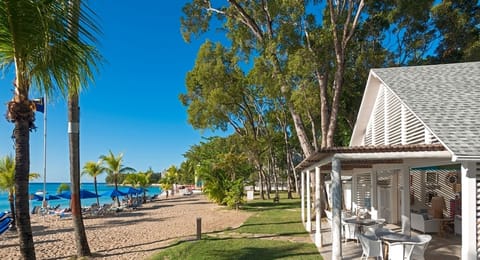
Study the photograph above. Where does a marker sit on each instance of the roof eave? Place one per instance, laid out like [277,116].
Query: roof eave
[458,158]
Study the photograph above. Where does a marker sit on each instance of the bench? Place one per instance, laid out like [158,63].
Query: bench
[276,200]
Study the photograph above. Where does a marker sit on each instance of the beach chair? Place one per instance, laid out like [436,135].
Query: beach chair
[3,215]
[5,224]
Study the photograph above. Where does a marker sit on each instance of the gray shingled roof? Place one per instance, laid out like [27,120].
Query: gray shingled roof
[445,97]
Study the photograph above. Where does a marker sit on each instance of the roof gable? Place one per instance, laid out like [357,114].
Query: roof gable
[444,98]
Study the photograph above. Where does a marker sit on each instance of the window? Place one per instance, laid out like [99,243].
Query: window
[431,178]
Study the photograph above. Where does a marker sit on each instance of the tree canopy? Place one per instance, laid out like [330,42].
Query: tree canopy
[288,76]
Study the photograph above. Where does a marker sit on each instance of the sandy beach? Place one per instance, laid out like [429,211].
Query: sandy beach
[133,234]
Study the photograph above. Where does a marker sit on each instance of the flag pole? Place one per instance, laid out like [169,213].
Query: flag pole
[44,204]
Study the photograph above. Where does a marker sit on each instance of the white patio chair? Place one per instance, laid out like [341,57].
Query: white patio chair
[329,217]
[371,246]
[349,231]
[420,247]
[400,251]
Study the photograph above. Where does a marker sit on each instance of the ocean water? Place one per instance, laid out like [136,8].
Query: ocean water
[52,189]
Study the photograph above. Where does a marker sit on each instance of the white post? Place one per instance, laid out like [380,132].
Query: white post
[318,237]
[336,210]
[394,197]
[405,199]
[374,192]
[302,194]
[309,204]
[469,201]
[44,202]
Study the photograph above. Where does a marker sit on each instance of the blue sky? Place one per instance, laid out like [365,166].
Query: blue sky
[133,107]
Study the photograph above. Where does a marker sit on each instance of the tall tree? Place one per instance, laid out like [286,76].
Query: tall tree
[458,23]
[35,37]
[344,18]
[114,166]
[219,95]
[268,29]
[75,84]
[7,182]
[187,172]
[93,169]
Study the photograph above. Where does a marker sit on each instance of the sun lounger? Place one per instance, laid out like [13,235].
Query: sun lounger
[36,210]
[5,224]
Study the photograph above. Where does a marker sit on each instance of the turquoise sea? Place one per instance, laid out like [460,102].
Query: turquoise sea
[52,189]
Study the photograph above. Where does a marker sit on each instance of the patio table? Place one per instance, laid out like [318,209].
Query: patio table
[360,223]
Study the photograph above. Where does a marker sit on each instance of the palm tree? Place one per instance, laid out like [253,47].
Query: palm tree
[169,179]
[75,83]
[139,180]
[63,187]
[36,39]
[7,181]
[93,169]
[113,166]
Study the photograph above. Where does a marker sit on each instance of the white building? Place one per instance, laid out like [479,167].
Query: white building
[417,136]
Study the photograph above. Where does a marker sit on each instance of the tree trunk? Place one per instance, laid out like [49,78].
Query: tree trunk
[275,181]
[338,84]
[74,144]
[301,133]
[268,184]
[22,169]
[260,184]
[324,107]
[96,190]
[11,199]
[115,176]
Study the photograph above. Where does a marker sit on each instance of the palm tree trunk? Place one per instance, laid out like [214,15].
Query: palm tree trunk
[115,175]
[74,144]
[96,190]
[11,199]
[22,169]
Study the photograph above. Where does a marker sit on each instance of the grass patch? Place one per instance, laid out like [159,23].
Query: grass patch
[277,222]
[227,249]
[281,218]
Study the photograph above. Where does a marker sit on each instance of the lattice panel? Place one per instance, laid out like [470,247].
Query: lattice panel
[386,123]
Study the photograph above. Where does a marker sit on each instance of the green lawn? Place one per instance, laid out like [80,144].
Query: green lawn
[273,232]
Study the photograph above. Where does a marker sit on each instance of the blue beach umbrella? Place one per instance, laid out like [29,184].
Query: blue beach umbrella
[84,194]
[47,197]
[113,193]
[132,191]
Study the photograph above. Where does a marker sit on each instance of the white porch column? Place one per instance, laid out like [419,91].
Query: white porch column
[374,201]
[336,209]
[405,199]
[354,192]
[318,237]
[309,205]
[302,195]
[469,204]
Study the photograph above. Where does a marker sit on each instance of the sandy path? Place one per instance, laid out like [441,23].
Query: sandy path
[127,235]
